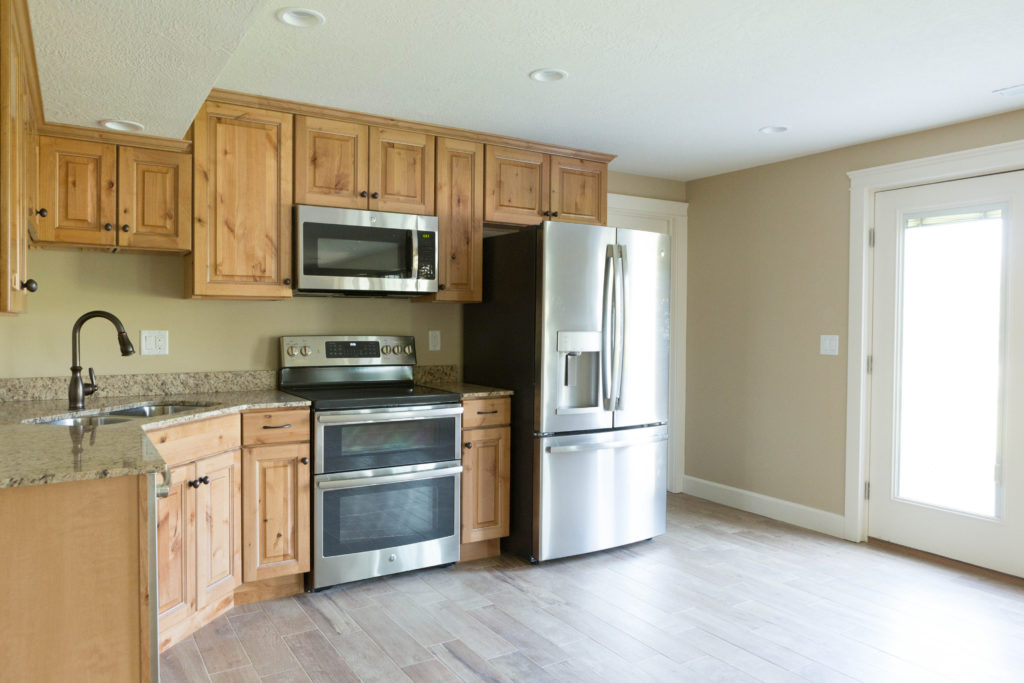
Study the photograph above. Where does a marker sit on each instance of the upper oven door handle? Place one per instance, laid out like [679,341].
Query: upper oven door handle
[388,479]
[376,415]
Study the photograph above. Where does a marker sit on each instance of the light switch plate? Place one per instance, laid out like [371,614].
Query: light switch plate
[155,342]
[829,345]
[434,340]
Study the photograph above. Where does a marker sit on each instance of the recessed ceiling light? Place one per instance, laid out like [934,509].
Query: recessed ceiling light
[1012,91]
[772,130]
[549,75]
[299,17]
[122,126]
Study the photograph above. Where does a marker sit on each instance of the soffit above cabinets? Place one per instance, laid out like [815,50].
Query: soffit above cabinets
[677,88]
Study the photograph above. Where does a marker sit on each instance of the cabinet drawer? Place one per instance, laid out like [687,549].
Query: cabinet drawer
[485,412]
[192,440]
[275,426]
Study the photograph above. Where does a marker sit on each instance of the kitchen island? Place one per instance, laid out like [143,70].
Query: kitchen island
[78,529]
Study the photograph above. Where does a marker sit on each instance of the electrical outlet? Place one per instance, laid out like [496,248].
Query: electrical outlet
[155,342]
[435,340]
[829,345]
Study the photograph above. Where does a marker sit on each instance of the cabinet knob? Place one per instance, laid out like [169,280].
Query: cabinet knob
[468,444]
[363,193]
[204,479]
[304,461]
[375,195]
[287,280]
[30,285]
[41,213]
[125,228]
[554,214]
[440,286]
[547,213]
[108,227]
[194,483]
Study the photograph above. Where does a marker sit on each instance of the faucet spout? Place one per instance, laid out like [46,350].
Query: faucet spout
[77,390]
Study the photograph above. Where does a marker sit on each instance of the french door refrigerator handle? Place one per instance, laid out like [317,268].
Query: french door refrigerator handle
[606,328]
[620,330]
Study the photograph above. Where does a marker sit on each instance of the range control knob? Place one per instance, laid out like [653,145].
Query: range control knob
[408,349]
[385,350]
[293,351]
[306,351]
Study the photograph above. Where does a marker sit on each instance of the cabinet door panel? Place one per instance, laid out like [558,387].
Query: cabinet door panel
[79,180]
[176,578]
[485,484]
[276,495]
[243,201]
[579,190]
[517,184]
[331,163]
[218,527]
[460,219]
[154,199]
[401,171]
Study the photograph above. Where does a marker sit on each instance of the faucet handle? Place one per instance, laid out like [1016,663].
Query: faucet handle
[90,387]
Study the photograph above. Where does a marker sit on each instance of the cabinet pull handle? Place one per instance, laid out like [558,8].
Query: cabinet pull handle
[125,228]
[108,227]
[287,426]
[468,444]
[304,461]
[487,412]
[41,213]
[30,285]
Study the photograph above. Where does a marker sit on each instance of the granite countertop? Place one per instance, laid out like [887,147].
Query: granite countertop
[471,391]
[32,454]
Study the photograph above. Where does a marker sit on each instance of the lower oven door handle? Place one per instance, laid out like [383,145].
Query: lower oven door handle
[384,416]
[387,479]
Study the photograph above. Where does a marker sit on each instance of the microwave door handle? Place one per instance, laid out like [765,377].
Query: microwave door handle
[388,479]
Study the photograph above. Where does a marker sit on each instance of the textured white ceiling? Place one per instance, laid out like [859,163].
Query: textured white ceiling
[676,88]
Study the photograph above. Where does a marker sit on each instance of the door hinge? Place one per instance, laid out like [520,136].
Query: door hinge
[870,364]
[867,490]
[871,237]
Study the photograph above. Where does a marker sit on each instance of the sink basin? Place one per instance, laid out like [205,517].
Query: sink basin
[88,421]
[157,409]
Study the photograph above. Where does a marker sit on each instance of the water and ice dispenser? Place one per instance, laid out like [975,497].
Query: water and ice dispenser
[579,363]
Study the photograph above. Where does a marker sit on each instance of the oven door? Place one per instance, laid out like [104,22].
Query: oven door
[376,438]
[369,524]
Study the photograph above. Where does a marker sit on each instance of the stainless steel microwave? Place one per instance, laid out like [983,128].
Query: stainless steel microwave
[348,251]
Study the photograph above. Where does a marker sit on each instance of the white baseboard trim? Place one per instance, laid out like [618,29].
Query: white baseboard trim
[766,506]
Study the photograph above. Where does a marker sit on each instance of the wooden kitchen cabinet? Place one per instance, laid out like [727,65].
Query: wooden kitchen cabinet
[459,194]
[358,166]
[104,195]
[18,120]
[275,494]
[242,232]
[199,524]
[485,477]
[525,187]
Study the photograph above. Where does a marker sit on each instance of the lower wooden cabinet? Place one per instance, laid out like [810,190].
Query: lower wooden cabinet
[276,495]
[485,477]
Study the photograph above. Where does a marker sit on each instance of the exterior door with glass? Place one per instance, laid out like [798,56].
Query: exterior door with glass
[947,382]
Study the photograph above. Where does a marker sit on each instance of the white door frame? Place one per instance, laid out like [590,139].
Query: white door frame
[863,186]
[673,215]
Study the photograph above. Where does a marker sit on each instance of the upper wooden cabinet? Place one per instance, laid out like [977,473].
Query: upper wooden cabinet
[242,236]
[100,194]
[527,187]
[356,166]
[460,220]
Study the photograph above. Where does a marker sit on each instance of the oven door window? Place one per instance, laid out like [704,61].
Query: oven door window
[367,518]
[356,251]
[372,445]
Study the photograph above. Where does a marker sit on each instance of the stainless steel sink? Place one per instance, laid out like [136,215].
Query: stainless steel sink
[87,421]
[156,409]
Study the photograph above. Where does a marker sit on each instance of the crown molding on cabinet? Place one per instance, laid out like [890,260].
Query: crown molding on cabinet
[63,130]
[319,111]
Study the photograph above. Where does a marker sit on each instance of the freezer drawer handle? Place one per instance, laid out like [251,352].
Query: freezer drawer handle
[389,479]
[604,446]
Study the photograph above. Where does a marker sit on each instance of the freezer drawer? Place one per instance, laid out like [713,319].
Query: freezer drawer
[599,490]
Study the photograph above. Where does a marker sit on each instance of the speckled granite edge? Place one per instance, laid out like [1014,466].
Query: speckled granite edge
[472,391]
[51,388]
[430,375]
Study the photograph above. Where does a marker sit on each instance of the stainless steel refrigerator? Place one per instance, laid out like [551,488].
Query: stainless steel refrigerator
[575,319]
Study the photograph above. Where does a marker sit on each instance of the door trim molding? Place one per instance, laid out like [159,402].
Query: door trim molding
[864,184]
[674,214]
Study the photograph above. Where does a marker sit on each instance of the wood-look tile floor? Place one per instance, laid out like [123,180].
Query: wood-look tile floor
[723,596]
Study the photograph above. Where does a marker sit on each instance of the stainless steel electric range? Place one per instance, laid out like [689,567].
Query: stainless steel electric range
[386,456]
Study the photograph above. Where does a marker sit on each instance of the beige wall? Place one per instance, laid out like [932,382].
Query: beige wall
[646,186]
[145,292]
[767,274]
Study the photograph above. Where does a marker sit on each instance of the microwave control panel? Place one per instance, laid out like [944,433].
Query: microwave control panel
[426,248]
